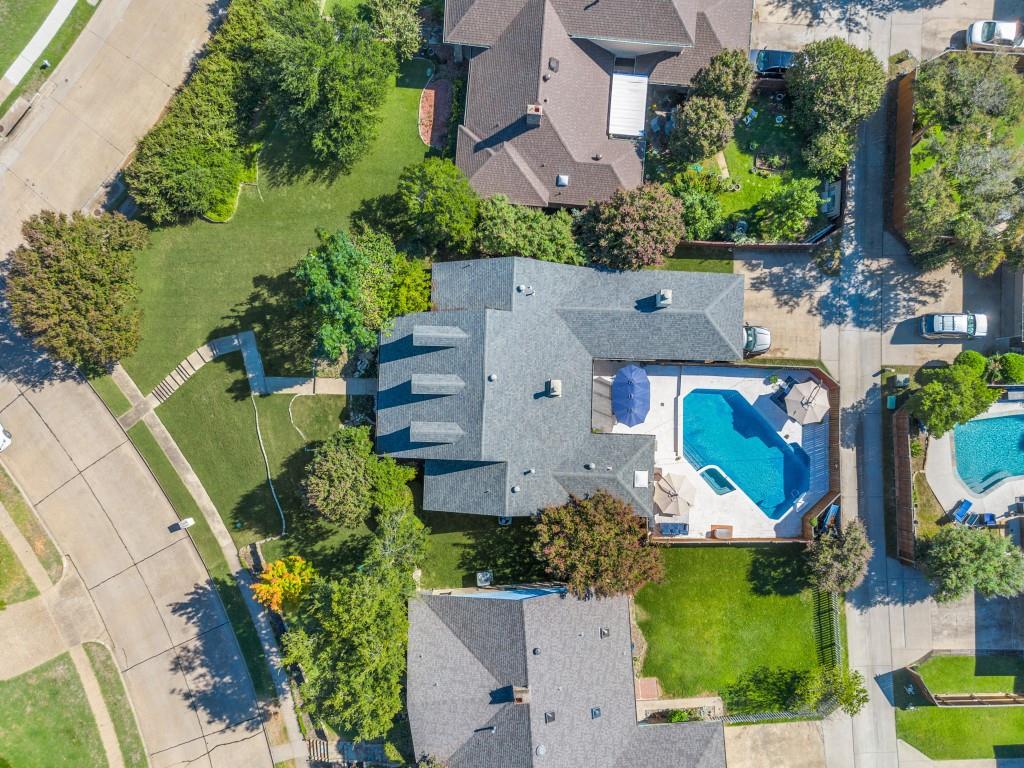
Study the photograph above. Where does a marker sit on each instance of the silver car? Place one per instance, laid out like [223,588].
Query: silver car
[961,325]
[1004,35]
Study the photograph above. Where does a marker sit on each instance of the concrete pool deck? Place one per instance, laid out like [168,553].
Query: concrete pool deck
[670,384]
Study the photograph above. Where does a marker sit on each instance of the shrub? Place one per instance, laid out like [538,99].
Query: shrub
[635,228]
[952,396]
[283,583]
[827,153]
[916,448]
[960,560]
[786,210]
[397,22]
[506,229]
[679,716]
[597,545]
[1011,367]
[765,689]
[845,685]
[437,208]
[702,205]
[728,76]
[839,559]
[71,286]
[703,127]
[974,361]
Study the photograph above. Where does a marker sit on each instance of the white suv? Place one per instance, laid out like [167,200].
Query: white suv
[962,325]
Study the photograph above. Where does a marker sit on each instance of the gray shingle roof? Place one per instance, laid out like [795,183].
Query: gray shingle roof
[527,322]
[496,148]
[458,689]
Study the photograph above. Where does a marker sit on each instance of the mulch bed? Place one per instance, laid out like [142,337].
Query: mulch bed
[435,107]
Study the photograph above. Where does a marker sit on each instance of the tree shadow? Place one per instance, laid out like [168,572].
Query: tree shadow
[851,15]
[764,689]
[504,550]
[778,570]
[23,362]
[287,159]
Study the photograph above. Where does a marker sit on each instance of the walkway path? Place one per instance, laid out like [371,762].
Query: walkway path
[94,696]
[34,48]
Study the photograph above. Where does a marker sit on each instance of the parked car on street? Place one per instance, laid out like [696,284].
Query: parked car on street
[960,325]
[5,438]
[1000,35]
[756,340]
[769,63]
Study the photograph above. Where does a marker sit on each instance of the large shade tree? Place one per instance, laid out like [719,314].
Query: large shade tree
[703,126]
[436,208]
[729,76]
[839,559]
[960,560]
[597,545]
[71,286]
[635,228]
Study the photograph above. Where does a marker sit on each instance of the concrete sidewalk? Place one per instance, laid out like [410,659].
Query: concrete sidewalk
[34,48]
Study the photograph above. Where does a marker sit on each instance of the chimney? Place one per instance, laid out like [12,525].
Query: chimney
[554,388]
[664,298]
[521,695]
[534,113]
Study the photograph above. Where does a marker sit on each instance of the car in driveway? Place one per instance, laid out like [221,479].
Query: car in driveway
[756,340]
[771,63]
[997,35]
[5,438]
[954,325]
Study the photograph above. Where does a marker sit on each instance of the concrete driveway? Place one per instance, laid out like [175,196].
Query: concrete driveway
[169,632]
[780,745]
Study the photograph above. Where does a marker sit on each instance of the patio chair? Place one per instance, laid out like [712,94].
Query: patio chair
[987,520]
[750,116]
[961,514]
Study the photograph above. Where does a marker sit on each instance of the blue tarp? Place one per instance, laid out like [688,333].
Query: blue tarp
[631,395]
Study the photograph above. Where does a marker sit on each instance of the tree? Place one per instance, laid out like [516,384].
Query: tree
[839,559]
[844,684]
[834,85]
[326,79]
[437,207]
[1011,367]
[597,545]
[397,22]
[954,395]
[398,545]
[283,583]
[974,361]
[828,152]
[634,229]
[703,128]
[786,210]
[956,89]
[506,229]
[355,287]
[700,194]
[729,77]
[71,286]
[959,560]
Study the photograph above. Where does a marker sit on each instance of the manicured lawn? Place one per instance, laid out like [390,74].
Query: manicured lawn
[958,733]
[723,612]
[19,20]
[27,522]
[54,52]
[120,710]
[973,674]
[692,258]
[185,506]
[203,280]
[45,721]
[15,585]
[110,394]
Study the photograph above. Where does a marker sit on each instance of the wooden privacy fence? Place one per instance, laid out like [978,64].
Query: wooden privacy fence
[903,476]
[900,145]
[1003,699]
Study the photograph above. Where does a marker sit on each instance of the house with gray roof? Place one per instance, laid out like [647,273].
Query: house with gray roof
[493,388]
[535,678]
[557,94]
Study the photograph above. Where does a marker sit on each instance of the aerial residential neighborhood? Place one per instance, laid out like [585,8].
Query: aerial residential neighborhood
[477,384]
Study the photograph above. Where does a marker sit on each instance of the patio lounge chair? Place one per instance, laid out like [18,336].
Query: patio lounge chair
[961,514]
[829,517]
[987,519]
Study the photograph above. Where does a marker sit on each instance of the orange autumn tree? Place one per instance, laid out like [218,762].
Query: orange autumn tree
[283,583]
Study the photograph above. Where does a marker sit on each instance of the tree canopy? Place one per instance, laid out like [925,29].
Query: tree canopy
[839,559]
[952,395]
[283,583]
[505,229]
[437,209]
[703,127]
[397,22]
[786,210]
[959,560]
[700,193]
[71,286]
[597,545]
[634,229]
[729,77]
[957,89]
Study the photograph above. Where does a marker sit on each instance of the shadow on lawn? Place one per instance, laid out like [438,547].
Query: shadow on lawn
[765,689]
[503,550]
[777,570]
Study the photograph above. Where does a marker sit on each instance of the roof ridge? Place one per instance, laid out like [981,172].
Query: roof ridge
[713,317]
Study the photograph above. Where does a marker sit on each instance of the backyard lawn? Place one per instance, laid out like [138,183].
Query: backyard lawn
[724,612]
[973,674]
[45,721]
[202,280]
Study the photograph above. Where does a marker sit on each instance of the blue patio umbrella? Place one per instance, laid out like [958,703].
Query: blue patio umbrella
[631,395]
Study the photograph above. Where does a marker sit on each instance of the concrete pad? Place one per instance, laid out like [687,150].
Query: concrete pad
[35,458]
[152,33]
[9,392]
[244,744]
[30,637]
[73,611]
[222,692]
[182,590]
[160,694]
[193,754]
[780,745]
[123,485]
[78,418]
[79,523]
[131,617]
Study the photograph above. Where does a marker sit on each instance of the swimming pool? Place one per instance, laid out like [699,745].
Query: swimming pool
[988,450]
[721,427]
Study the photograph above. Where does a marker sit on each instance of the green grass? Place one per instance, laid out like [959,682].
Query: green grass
[19,20]
[203,280]
[973,674]
[185,506]
[111,394]
[54,52]
[45,721]
[957,733]
[116,698]
[15,585]
[692,258]
[722,612]
[27,522]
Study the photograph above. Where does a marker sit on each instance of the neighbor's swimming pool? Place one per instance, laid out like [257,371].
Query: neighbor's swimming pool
[720,427]
[988,450]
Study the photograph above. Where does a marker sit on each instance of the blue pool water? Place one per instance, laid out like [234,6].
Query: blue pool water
[721,427]
[988,450]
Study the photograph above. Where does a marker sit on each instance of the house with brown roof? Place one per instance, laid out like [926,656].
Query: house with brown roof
[556,102]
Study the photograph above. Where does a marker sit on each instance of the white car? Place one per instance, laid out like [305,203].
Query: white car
[5,438]
[996,34]
[963,325]
[756,340]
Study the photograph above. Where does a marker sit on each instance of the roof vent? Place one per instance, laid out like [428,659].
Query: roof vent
[530,471]
[553,388]
[589,465]
[546,76]
[562,180]
[598,156]
[549,716]
[542,750]
[520,695]
[605,633]
[526,290]
[595,712]
[492,377]
[553,64]
[664,298]
[534,114]
[536,651]
[516,489]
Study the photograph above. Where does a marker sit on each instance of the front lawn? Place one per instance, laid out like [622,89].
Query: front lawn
[202,280]
[973,674]
[19,19]
[27,522]
[15,585]
[118,706]
[45,720]
[725,612]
